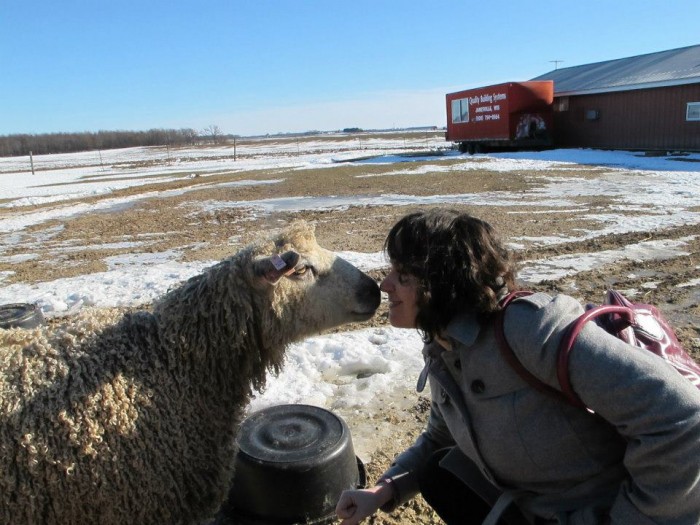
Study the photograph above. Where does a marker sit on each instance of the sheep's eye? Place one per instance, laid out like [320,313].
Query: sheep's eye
[301,270]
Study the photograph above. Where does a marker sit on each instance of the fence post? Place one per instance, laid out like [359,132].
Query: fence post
[31,161]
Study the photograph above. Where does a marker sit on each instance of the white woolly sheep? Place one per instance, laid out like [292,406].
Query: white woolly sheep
[135,421]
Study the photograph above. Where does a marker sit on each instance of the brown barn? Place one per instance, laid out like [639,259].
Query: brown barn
[645,102]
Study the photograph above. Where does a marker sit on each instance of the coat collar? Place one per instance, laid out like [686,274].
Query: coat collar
[464,328]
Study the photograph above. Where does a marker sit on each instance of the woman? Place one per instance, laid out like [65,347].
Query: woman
[496,449]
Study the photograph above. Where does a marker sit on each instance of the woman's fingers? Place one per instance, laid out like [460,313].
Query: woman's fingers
[354,506]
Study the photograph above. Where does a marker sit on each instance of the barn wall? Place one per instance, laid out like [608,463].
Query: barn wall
[649,119]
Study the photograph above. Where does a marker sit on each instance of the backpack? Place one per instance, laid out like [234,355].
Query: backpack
[638,324]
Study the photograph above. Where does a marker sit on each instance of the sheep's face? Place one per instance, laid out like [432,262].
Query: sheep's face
[312,288]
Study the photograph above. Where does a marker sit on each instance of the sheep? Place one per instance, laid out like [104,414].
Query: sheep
[133,419]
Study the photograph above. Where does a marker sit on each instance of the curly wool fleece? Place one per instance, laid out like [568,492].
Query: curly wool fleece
[132,419]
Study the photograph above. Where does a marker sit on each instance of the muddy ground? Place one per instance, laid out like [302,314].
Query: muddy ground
[184,222]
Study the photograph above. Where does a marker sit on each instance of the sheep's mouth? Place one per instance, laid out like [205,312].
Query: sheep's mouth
[363,315]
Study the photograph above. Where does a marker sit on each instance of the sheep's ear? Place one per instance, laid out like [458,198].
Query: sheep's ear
[273,268]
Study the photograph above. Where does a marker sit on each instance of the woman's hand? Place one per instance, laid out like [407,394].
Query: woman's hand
[356,505]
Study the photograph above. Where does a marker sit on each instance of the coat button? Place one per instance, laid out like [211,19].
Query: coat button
[478,386]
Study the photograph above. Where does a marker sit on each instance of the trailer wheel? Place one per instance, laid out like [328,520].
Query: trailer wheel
[463,147]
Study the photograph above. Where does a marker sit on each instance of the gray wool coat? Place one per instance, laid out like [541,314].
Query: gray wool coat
[636,460]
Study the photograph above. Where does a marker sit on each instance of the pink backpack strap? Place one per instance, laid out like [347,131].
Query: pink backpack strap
[567,344]
[512,296]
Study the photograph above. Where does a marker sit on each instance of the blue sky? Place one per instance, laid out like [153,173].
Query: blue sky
[264,66]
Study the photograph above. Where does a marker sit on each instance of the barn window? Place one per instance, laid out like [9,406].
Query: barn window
[592,114]
[693,111]
[460,110]
[561,104]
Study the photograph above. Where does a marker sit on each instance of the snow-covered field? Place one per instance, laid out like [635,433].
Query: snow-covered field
[353,371]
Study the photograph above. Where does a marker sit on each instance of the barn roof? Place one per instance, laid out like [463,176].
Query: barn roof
[664,68]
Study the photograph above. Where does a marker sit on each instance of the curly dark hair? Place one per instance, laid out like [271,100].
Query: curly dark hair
[460,264]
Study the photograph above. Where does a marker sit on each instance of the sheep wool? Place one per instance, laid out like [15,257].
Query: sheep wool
[116,418]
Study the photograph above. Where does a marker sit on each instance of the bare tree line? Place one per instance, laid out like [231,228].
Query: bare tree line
[23,144]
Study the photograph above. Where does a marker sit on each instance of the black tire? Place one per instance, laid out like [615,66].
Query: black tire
[20,315]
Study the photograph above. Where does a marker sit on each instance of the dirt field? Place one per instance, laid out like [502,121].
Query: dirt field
[183,222]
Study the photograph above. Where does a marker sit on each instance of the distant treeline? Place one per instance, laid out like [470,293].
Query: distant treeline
[13,145]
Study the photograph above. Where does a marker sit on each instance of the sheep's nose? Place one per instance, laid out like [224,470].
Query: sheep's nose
[369,294]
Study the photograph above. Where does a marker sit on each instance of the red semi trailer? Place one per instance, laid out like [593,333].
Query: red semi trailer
[509,115]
